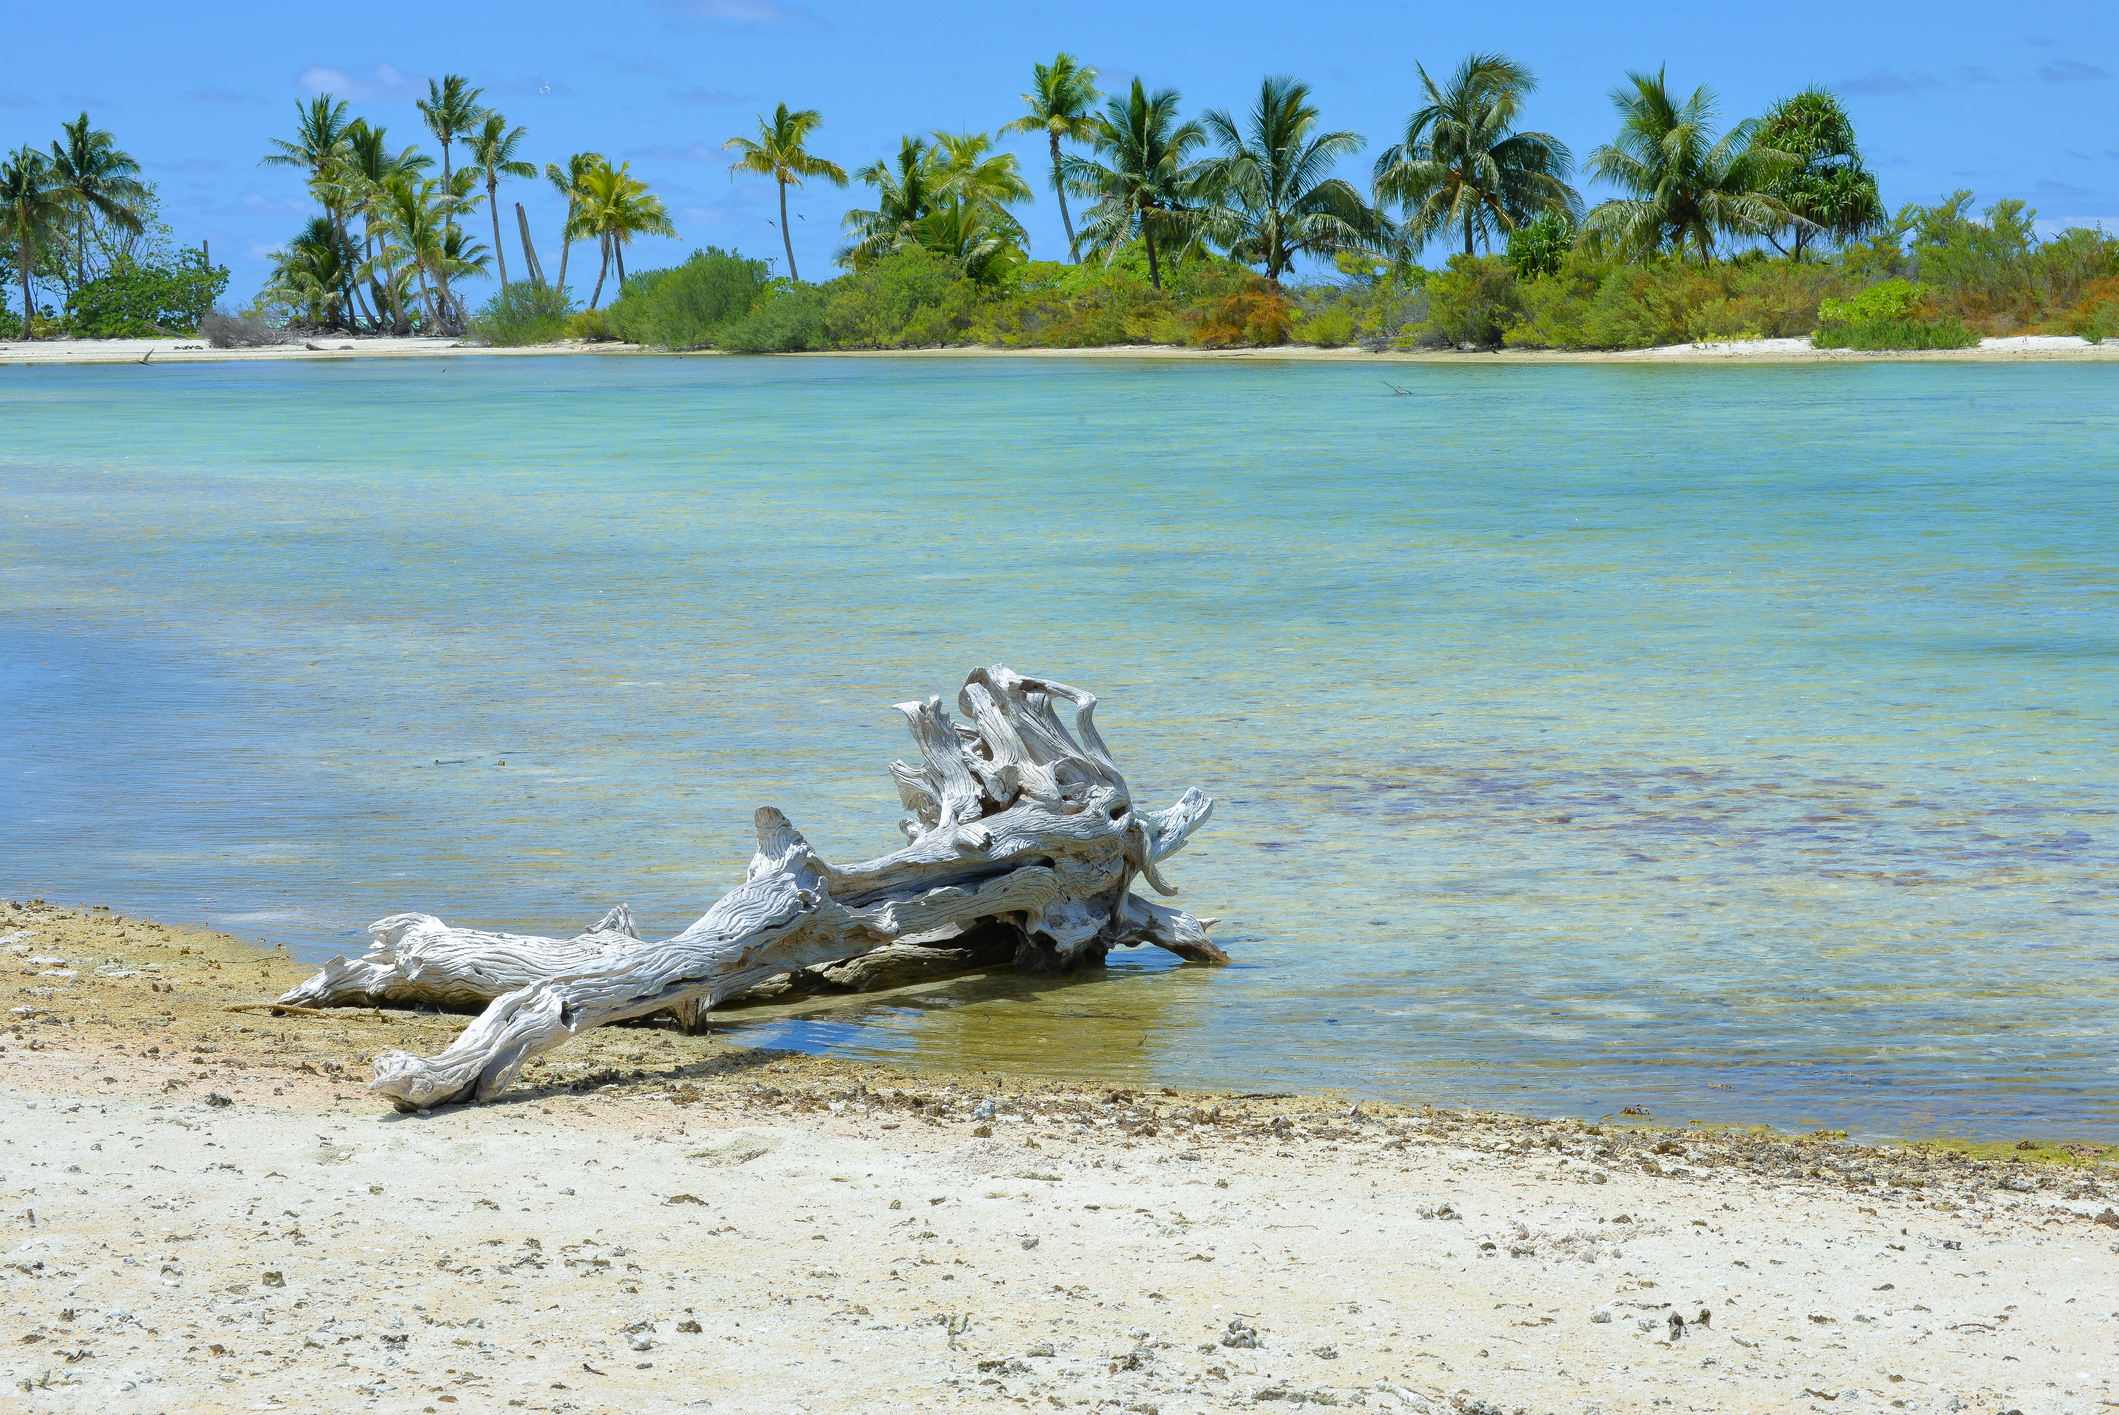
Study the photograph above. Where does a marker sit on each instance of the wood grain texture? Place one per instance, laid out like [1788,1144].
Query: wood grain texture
[1015,823]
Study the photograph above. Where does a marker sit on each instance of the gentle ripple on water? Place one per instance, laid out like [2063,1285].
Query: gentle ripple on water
[1732,742]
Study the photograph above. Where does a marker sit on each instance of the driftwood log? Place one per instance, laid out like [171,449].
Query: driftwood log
[1018,829]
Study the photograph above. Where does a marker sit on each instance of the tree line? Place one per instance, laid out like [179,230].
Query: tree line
[396,236]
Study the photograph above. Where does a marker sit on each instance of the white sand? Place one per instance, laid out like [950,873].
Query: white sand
[2056,348]
[550,1252]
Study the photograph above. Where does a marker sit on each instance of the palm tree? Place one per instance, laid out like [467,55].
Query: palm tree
[1277,197]
[615,207]
[96,179]
[313,272]
[319,138]
[904,194]
[567,182]
[778,153]
[363,173]
[969,173]
[1463,166]
[1061,97]
[1825,183]
[1687,185]
[31,206]
[322,143]
[494,148]
[451,109]
[1147,187]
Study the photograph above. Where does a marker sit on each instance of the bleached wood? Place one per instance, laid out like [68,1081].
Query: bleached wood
[416,958]
[1015,822]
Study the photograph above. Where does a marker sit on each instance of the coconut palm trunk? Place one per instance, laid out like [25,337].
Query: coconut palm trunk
[787,239]
[566,246]
[1058,187]
[601,271]
[500,252]
[1147,236]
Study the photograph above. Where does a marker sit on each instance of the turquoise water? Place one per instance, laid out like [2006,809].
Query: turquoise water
[1731,742]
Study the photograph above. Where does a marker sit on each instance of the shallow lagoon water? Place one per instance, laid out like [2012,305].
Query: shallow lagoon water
[1735,743]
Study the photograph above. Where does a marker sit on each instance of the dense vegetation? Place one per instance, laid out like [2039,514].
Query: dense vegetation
[1227,229]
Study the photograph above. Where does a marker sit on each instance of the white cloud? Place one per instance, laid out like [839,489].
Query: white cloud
[740,12]
[372,83]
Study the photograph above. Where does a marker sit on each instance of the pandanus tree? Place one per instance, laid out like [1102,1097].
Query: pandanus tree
[615,207]
[1464,167]
[1062,103]
[1275,195]
[1685,183]
[567,182]
[31,210]
[779,152]
[495,147]
[1143,176]
[1829,193]
[96,179]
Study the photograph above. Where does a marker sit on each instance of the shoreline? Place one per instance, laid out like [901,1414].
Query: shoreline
[2045,348]
[210,1213]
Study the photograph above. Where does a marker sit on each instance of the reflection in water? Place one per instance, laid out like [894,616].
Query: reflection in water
[1730,742]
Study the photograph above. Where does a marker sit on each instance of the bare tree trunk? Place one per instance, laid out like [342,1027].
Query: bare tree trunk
[500,253]
[604,246]
[1147,236]
[1015,824]
[787,237]
[618,254]
[529,251]
[1061,191]
[566,244]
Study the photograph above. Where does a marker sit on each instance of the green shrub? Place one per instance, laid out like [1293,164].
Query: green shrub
[1329,328]
[1887,299]
[787,321]
[906,299]
[1473,302]
[138,301]
[685,306]
[592,325]
[522,313]
[1896,333]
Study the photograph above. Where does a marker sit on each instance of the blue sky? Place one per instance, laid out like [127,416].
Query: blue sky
[1945,95]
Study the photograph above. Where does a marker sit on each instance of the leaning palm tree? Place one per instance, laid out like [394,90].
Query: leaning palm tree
[493,147]
[31,208]
[904,194]
[96,179]
[1686,185]
[778,153]
[615,207]
[1147,183]
[1462,166]
[451,110]
[1061,99]
[1276,197]
[567,182]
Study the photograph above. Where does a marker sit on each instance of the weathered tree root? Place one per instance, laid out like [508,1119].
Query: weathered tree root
[416,958]
[1016,825]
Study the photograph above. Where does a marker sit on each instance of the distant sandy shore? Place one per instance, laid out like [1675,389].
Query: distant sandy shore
[206,1211]
[2044,348]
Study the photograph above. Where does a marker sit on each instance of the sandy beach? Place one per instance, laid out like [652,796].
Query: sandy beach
[2040,348]
[208,1212]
